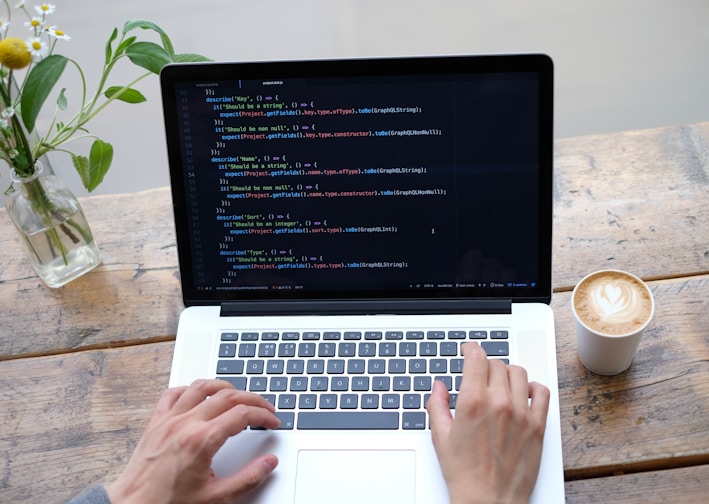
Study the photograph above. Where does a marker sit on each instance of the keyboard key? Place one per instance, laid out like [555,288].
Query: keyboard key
[447,381]
[373,335]
[435,335]
[456,334]
[355,366]
[402,383]
[278,384]
[427,349]
[290,336]
[239,382]
[376,366]
[287,420]
[286,401]
[380,383]
[417,366]
[413,420]
[257,384]
[311,335]
[326,349]
[438,366]
[331,335]
[298,384]
[367,350]
[295,366]
[340,384]
[346,350]
[319,383]
[496,348]
[411,401]
[328,401]
[307,401]
[249,336]
[269,336]
[335,366]
[247,350]
[316,366]
[306,350]
[407,349]
[353,335]
[230,367]
[227,350]
[286,350]
[449,349]
[414,335]
[370,401]
[499,334]
[397,366]
[394,335]
[360,383]
[348,420]
[230,336]
[254,367]
[274,366]
[349,401]
[477,334]
[391,401]
[267,350]
[422,383]
[387,349]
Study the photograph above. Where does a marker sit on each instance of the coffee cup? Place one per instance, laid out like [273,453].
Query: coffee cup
[612,309]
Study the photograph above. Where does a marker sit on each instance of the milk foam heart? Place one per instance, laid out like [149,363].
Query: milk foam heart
[613,302]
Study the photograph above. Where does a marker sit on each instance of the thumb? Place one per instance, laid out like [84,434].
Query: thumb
[250,476]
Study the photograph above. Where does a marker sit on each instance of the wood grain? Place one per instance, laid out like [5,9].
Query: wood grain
[653,415]
[70,421]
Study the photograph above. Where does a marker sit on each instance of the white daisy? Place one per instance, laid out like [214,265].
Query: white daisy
[57,33]
[37,48]
[45,8]
[35,24]
[4,25]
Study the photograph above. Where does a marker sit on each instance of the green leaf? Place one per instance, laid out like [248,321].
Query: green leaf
[147,25]
[128,95]
[189,58]
[81,163]
[100,159]
[61,100]
[40,81]
[148,55]
[109,51]
[121,48]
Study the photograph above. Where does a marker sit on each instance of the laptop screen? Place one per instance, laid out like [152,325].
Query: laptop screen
[389,178]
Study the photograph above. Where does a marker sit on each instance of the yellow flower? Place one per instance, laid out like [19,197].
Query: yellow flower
[14,53]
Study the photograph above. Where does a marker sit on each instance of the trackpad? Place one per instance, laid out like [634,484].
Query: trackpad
[355,477]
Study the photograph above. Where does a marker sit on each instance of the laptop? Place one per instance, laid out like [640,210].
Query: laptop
[343,228]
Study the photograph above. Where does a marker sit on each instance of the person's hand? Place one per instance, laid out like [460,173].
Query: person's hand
[491,451]
[173,461]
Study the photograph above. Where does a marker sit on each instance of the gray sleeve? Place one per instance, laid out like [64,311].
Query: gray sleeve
[94,495]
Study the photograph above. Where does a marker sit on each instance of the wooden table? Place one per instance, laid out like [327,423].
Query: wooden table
[82,367]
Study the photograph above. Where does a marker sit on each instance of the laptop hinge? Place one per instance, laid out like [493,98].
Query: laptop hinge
[368,307]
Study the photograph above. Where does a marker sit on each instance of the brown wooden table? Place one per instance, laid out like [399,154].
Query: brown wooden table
[82,367]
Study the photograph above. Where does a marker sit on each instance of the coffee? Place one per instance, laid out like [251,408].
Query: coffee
[613,303]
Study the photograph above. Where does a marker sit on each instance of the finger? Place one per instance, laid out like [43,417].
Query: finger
[248,477]
[519,384]
[235,420]
[475,368]
[197,392]
[439,412]
[226,399]
[539,405]
[497,376]
[168,399]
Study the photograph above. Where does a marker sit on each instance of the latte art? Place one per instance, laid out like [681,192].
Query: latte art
[613,303]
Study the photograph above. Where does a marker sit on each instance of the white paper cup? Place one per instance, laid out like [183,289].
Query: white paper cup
[602,347]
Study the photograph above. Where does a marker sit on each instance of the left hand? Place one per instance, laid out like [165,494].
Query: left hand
[173,461]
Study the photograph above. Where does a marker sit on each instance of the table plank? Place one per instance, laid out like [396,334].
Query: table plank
[656,410]
[133,295]
[636,200]
[687,485]
[78,417]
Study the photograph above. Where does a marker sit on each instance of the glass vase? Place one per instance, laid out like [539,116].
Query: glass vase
[53,228]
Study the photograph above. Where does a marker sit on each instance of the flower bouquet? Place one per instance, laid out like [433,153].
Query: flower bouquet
[46,214]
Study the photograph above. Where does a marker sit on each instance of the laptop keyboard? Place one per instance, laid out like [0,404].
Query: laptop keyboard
[351,379]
